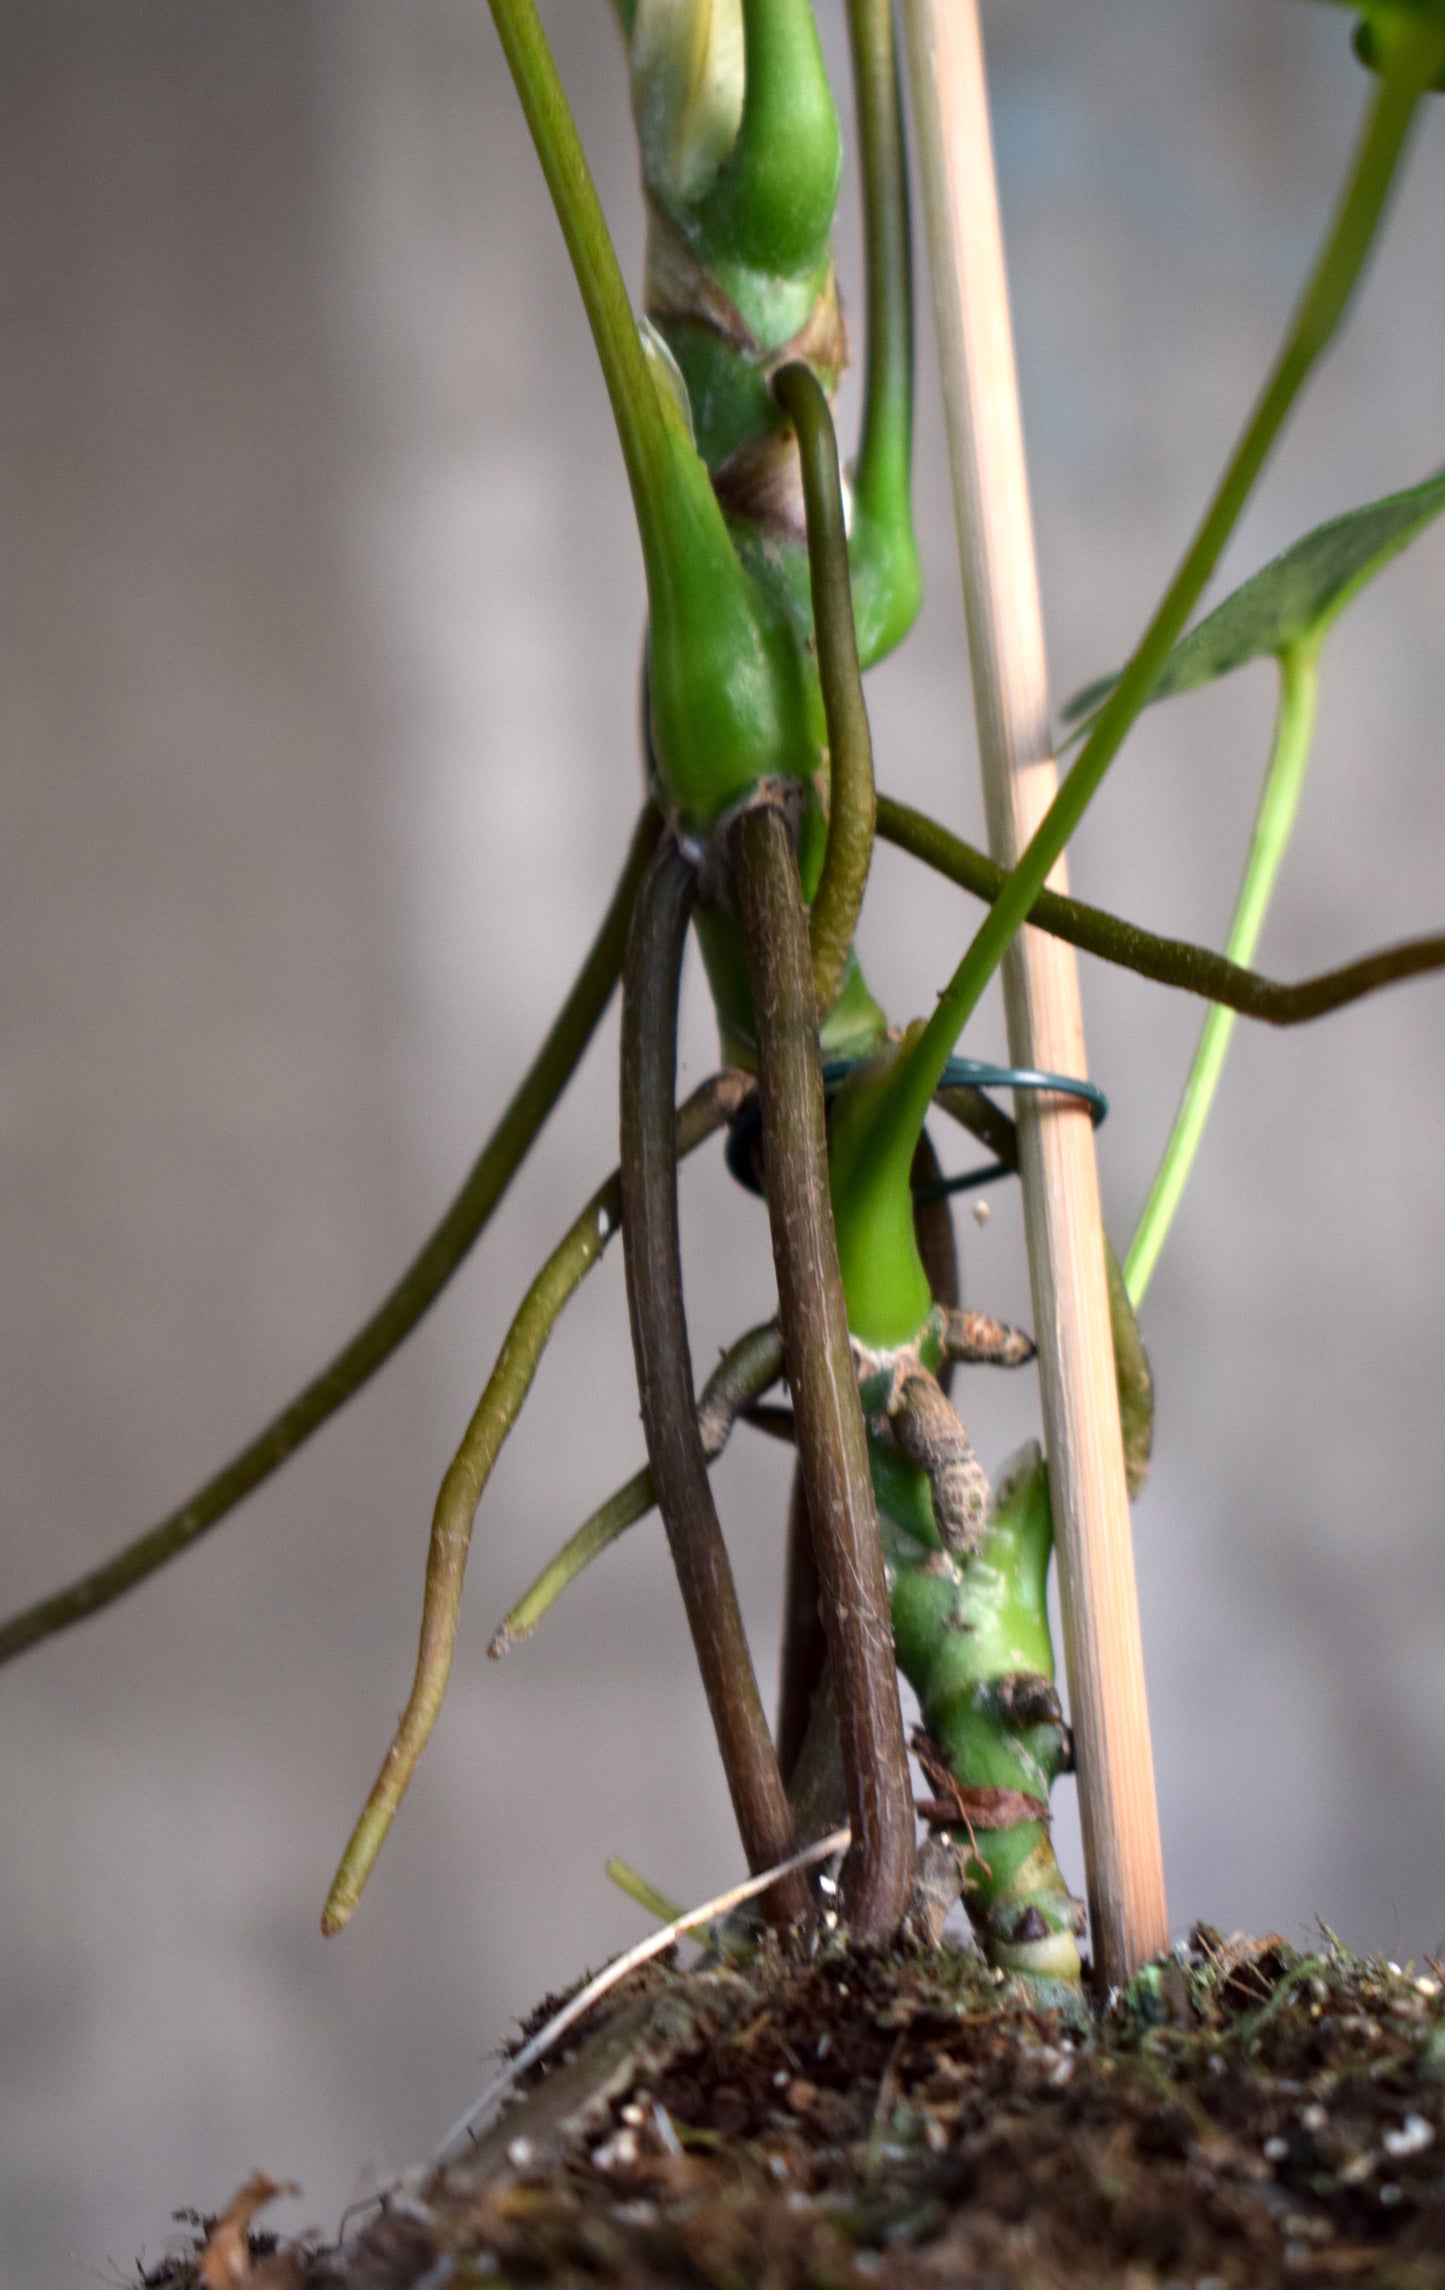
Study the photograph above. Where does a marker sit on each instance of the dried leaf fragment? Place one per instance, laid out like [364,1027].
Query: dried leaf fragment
[225,2263]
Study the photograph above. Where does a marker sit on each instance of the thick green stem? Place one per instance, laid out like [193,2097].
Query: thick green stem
[726,696]
[1168,961]
[664,1373]
[805,1645]
[832,1446]
[743,1374]
[874,1141]
[973,1642]
[882,543]
[1273,826]
[581,1247]
[853,806]
[397,1314]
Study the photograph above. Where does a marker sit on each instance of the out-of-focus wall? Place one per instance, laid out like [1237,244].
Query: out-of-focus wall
[320,634]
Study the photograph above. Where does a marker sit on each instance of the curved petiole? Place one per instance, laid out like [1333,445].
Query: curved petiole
[582,1246]
[873,1140]
[399,1311]
[1274,822]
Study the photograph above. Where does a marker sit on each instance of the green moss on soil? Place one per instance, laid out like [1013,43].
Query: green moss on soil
[1245,2115]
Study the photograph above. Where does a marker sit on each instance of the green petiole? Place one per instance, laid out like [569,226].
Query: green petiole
[1274,823]
[882,548]
[875,1133]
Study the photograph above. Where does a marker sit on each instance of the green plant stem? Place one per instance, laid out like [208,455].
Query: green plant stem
[852,808]
[872,1149]
[805,1644]
[651,981]
[1273,826]
[742,1375]
[973,1642]
[881,478]
[581,1247]
[399,1311]
[640,428]
[832,1444]
[882,535]
[1168,961]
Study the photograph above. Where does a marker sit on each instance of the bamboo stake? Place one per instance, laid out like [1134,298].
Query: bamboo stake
[1103,1649]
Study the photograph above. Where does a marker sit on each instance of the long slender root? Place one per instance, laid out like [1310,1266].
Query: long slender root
[1168,961]
[580,1248]
[743,1374]
[397,1314]
[664,1375]
[853,803]
[832,1445]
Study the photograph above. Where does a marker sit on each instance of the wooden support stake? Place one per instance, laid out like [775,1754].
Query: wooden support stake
[1103,1650]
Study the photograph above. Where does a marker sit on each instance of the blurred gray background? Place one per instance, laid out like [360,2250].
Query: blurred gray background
[320,631]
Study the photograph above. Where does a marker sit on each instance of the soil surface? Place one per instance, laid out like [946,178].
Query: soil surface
[1243,2115]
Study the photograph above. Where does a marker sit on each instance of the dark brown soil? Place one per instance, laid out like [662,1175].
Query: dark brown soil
[1245,2115]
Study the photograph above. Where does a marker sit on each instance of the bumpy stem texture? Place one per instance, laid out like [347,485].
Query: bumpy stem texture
[832,1447]
[397,1314]
[664,1373]
[580,1248]
[973,1642]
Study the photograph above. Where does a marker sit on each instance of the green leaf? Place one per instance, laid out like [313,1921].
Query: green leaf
[1293,599]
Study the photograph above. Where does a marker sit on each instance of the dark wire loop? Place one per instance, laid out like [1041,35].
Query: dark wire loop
[745,1134]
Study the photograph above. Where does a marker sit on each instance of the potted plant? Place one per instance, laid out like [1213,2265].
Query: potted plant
[767,593]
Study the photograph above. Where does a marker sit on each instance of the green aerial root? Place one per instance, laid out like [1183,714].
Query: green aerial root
[581,1247]
[398,1312]
[853,804]
[973,1641]
[741,1377]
